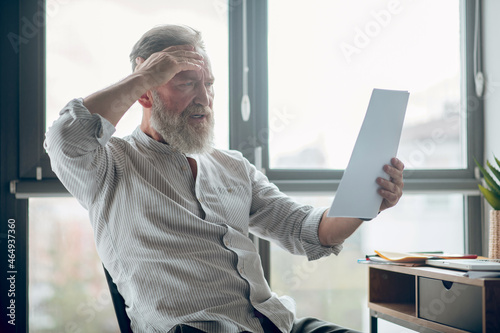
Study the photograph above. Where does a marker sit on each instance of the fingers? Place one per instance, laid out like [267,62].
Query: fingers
[397,164]
[390,186]
[178,52]
[391,190]
[395,171]
[184,51]
[390,196]
[138,62]
[162,66]
[185,47]
[183,56]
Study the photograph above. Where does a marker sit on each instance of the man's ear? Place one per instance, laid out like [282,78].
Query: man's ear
[146,100]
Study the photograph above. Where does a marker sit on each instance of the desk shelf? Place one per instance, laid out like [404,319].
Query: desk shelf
[405,310]
[394,296]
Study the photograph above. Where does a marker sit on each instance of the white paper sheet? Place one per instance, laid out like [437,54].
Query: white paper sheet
[377,143]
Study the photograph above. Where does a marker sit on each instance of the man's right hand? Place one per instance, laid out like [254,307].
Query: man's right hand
[114,101]
[162,66]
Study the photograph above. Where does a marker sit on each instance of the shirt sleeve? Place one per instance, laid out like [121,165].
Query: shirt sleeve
[76,144]
[293,226]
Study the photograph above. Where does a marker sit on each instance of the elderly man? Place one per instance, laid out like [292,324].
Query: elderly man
[171,214]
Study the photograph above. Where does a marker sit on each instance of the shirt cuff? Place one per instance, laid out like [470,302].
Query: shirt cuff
[310,238]
[104,130]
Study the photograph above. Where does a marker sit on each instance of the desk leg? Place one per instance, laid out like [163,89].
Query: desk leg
[373,324]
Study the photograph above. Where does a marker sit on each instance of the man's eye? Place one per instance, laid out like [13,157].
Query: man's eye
[209,84]
[189,84]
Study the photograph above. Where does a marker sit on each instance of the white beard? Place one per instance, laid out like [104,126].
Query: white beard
[176,130]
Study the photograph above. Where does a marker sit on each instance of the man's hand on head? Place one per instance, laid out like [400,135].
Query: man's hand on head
[391,190]
[162,66]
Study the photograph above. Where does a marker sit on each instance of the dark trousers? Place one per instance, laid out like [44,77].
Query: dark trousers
[313,325]
[302,325]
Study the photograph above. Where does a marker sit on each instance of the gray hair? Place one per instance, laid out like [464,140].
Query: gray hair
[163,36]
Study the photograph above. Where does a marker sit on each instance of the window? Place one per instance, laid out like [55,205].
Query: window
[348,48]
[68,290]
[85,48]
[309,93]
[92,41]
[442,133]
[96,54]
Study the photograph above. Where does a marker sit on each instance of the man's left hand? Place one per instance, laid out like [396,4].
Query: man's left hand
[391,190]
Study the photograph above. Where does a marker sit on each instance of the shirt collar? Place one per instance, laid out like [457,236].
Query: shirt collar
[146,141]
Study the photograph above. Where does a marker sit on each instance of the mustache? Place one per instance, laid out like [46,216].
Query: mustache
[197,110]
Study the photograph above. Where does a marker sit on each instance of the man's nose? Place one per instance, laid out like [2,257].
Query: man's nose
[202,95]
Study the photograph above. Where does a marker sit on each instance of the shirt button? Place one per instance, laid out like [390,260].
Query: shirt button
[230,190]
[241,270]
[227,243]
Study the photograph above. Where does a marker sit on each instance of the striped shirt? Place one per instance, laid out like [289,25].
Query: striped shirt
[178,248]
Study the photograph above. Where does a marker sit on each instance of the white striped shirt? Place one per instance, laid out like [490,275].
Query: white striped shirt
[178,248]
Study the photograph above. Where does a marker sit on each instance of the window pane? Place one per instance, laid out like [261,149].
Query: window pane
[336,288]
[337,52]
[88,44]
[67,287]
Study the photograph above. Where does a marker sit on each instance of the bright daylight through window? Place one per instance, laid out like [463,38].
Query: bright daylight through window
[339,52]
[324,58]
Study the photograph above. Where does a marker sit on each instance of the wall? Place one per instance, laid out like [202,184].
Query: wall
[491,67]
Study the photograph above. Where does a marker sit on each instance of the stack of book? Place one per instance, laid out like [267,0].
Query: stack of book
[409,258]
[472,266]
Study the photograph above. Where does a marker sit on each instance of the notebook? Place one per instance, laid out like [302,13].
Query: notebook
[466,264]
[377,143]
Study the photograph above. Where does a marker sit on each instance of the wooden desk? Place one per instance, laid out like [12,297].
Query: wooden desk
[417,298]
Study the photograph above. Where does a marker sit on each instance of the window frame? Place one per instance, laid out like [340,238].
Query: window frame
[32,100]
[453,180]
[250,137]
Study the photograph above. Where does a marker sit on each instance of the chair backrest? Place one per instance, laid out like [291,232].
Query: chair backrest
[119,305]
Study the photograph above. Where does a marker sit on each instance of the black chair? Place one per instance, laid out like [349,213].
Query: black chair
[119,305]
[121,314]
